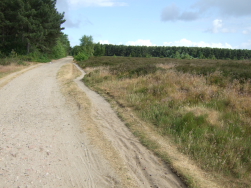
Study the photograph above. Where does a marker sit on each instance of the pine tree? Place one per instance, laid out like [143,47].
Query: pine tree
[9,19]
[28,25]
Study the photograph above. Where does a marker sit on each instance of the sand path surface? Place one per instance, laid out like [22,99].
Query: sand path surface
[42,142]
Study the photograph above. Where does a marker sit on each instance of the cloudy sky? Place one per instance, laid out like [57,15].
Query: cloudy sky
[202,23]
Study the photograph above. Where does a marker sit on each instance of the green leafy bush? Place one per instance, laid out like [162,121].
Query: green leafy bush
[81,56]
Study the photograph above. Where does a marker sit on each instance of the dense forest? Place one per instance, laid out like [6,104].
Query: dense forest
[88,48]
[176,52]
[29,27]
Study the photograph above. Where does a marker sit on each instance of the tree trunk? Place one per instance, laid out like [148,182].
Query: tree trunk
[28,48]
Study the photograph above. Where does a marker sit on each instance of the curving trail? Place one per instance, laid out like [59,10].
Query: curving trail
[42,143]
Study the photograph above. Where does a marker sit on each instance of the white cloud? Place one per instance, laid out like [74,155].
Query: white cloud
[104,42]
[140,43]
[173,13]
[188,43]
[101,3]
[217,25]
[247,31]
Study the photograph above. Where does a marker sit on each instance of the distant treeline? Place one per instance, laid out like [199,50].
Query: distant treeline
[31,26]
[176,52]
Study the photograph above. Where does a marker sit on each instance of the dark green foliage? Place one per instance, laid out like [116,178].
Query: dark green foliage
[25,58]
[75,50]
[87,45]
[86,49]
[176,52]
[29,25]
[62,47]
[99,50]
[81,56]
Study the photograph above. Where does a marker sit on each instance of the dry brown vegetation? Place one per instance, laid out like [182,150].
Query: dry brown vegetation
[203,105]
[5,70]
[13,67]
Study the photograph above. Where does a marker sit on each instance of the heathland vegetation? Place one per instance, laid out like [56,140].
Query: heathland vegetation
[30,30]
[203,105]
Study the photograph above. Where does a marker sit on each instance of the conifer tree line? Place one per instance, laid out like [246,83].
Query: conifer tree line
[88,48]
[31,26]
[176,52]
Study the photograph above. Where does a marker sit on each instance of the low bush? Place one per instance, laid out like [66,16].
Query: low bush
[81,56]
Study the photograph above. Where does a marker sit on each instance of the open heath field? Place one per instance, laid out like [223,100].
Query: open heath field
[203,107]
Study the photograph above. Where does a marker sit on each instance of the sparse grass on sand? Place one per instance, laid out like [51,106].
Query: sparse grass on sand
[203,105]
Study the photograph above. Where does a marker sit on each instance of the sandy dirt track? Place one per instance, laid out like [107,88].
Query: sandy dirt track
[42,142]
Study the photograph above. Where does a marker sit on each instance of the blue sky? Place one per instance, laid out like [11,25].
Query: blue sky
[202,23]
